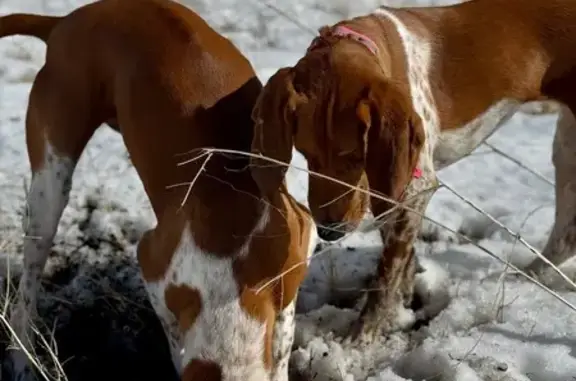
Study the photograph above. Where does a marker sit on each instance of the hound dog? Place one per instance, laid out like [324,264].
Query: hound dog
[162,77]
[387,99]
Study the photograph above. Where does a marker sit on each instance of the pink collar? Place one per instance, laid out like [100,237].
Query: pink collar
[344,31]
[417,173]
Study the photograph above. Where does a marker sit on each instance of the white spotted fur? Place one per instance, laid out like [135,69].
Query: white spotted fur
[419,57]
[282,342]
[47,197]
[286,324]
[223,332]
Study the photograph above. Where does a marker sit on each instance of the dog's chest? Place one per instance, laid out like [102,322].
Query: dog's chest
[223,332]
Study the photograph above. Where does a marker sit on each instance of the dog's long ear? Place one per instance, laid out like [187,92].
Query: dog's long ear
[393,137]
[274,129]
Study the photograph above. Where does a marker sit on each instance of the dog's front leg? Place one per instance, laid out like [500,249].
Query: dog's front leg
[392,290]
[156,293]
[169,324]
[46,200]
[282,342]
[384,310]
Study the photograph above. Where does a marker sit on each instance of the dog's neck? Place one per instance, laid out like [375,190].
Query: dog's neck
[213,192]
[371,31]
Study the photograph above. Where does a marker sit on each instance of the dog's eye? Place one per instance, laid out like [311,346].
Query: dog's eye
[350,159]
[346,153]
[352,156]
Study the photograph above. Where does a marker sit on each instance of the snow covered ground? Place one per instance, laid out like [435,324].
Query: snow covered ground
[492,329]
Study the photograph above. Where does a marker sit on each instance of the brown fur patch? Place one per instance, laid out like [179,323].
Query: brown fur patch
[185,303]
[202,370]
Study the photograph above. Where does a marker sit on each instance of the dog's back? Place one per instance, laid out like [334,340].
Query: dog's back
[153,41]
[146,68]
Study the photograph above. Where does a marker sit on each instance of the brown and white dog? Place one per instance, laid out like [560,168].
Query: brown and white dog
[388,99]
[161,76]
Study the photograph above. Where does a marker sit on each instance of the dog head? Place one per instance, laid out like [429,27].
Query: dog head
[350,123]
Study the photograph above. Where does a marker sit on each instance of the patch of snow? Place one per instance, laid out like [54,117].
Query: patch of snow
[432,287]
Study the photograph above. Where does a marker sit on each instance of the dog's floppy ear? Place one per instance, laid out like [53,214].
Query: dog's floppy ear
[393,137]
[274,129]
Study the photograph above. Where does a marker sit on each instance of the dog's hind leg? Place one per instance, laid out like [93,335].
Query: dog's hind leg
[58,127]
[561,243]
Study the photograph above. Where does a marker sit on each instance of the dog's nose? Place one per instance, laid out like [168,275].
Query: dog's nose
[330,231]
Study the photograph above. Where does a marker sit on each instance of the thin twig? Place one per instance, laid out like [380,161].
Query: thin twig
[506,263]
[191,183]
[515,235]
